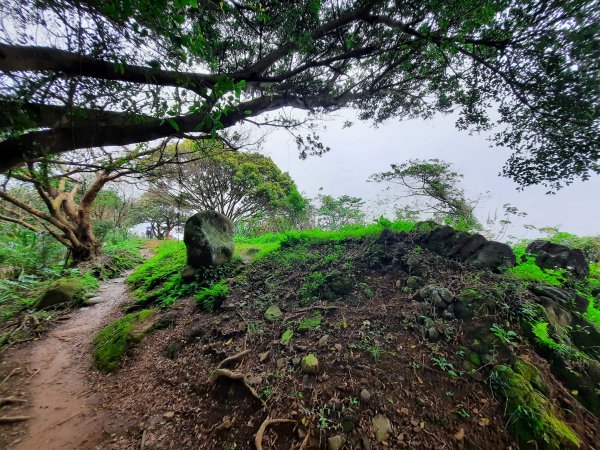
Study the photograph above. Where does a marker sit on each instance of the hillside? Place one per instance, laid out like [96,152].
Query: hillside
[389,336]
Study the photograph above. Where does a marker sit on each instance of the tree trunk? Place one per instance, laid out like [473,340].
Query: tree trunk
[86,246]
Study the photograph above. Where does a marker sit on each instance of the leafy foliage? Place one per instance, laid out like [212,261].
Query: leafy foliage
[533,61]
[210,298]
[528,270]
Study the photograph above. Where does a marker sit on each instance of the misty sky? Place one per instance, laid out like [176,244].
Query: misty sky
[361,150]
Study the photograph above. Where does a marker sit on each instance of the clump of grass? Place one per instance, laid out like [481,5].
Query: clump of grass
[526,269]
[210,298]
[112,342]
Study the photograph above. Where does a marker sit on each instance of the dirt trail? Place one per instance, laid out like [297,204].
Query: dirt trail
[64,412]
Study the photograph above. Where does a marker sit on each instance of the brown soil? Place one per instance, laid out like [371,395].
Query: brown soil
[52,377]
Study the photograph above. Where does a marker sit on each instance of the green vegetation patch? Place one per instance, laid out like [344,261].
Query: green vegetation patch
[531,415]
[210,298]
[308,323]
[526,269]
[112,342]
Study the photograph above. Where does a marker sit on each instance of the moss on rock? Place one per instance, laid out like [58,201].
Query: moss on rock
[533,417]
[66,290]
[531,374]
[112,342]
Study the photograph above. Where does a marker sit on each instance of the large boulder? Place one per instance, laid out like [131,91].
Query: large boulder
[59,292]
[208,237]
[555,256]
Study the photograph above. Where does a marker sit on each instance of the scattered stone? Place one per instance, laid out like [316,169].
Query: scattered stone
[262,357]
[310,364]
[168,415]
[208,237]
[242,326]
[273,313]
[280,363]
[323,341]
[438,296]
[296,361]
[94,300]
[413,282]
[364,381]
[382,428]
[365,396]
[254,379]
[337,347]
[336,442]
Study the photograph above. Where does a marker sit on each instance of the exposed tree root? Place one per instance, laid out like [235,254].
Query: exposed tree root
[10,400]
[13,419]
[231,359]
[261,431]
[237,376]
[12,372]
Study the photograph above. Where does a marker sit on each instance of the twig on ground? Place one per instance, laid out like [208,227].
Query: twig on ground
[66,420]
[12,372]
[300,312]
[263,427]
[233,358]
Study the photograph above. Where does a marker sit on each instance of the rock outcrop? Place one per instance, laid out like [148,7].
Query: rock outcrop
[208,237]
[471,248]
[61,291]
[555,256]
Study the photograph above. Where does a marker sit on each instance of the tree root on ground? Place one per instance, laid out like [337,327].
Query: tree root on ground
[300,312]
[231,359]
[10,400]
[237,376]
[13,419]
[261,431]
[12,372]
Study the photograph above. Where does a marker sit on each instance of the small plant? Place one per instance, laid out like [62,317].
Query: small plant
[507,337]
[308,323]
[287,336]
[449,394]
[230,392]
[463,414]
[445,366]
[211,298]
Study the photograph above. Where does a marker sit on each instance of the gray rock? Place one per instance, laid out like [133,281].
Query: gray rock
[493,255]
[365,396]
[556,256]
[94,300]
[338,347]
[273,313]
[188,274]
[262,357]
[208,237]
[323,341]
[413,282]
[433,334]
[438,296]
[366,444]
[382,428]
[336,442]
[280,363]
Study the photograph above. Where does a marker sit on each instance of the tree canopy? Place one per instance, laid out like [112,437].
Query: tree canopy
[91,73]
[237,184]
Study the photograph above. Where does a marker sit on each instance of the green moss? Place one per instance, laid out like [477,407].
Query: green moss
[532,416]
[287,336]
[308,323]
[531,374]
[526,269]
[112,341]
[211,298]
[67,290]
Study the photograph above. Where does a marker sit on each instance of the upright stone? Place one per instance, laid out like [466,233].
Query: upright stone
[208,237]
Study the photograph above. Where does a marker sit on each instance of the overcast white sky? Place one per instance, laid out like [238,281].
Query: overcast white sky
[361,150]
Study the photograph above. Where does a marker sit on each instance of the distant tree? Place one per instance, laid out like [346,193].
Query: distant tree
[159,211]
[334,213]
[78,74]
[57,197]
[437,184]
[239,185]
[111,210]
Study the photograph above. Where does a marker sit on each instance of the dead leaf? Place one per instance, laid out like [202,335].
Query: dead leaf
[460,434]
[484,422]
[404,411]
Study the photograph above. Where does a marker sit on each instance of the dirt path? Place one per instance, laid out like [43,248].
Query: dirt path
[63,409]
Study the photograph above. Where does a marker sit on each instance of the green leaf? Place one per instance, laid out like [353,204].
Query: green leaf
[174,124]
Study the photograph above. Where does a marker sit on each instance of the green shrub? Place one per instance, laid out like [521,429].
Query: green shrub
[112,342]
[210,298]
